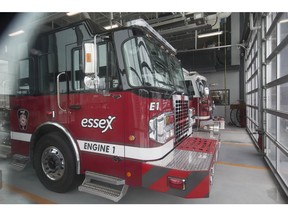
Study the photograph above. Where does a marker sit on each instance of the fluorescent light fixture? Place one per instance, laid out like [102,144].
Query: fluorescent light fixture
[210,34]
[72,13]
[283,21]
[111,26]
[16,33]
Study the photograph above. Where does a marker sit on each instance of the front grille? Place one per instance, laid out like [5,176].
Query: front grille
[181,109]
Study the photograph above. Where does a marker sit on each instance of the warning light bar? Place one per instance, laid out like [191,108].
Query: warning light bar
[142,23]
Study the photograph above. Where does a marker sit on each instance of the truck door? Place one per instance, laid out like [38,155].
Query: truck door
[96,118]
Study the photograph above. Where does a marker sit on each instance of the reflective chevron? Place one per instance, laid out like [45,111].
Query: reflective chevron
[197,183]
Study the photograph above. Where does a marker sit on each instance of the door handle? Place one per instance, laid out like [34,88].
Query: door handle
[58,90]
[75,106]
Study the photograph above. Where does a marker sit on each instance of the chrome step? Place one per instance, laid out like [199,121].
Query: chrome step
[5,151]
[108,187]
[105,178]
[19,162]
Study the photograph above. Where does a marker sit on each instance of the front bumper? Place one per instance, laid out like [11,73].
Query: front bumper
[192,162]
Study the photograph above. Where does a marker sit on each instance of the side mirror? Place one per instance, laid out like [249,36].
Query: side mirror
[206,91]
[91,79]
[89,58]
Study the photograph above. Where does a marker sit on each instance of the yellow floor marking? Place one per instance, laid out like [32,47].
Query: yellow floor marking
[242,165]
[28,195]
[237,143]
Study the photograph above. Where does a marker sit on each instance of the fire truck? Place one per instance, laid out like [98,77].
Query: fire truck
[110,106]
[200,100]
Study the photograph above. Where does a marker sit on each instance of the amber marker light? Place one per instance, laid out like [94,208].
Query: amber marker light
[129,174]
[131,138]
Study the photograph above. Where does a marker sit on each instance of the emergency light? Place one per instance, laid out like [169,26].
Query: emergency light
[142,23]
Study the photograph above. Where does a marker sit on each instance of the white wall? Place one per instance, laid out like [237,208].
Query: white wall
[232,83]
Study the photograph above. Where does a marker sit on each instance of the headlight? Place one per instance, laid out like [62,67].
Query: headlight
[161,128]
[152,129]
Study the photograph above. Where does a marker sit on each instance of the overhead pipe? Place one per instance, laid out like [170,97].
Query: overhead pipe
[216,47]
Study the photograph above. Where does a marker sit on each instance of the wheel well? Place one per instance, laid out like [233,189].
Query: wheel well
[44,130]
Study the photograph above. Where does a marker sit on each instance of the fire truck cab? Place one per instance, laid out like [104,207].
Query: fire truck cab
[111,106]
[200,99]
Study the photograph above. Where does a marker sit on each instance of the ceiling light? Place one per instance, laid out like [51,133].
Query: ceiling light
[283,21]
[72,13]
[16,33]
[111,27]
[210,34]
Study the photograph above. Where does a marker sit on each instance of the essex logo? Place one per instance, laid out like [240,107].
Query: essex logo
[23,118]
[104,124]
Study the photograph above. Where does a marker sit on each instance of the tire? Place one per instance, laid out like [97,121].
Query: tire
[55,164]
[235,117]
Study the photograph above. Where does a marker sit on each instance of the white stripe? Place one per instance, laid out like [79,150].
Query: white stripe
[148,153]
[126,151]
[20,136]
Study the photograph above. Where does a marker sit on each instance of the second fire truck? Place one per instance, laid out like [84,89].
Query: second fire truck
[200,100]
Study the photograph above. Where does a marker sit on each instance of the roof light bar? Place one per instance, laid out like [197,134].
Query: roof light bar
[142,23]
[210,34]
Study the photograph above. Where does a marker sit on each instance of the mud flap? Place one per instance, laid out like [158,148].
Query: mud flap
[186,172]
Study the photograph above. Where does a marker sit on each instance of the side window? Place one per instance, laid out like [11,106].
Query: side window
[25,79]
[189,87]
[48,70]
[107,67]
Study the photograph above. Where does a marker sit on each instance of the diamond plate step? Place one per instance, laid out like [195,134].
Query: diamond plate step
[19,162]
[108,187]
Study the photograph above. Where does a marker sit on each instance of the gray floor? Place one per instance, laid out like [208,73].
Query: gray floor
[241,177]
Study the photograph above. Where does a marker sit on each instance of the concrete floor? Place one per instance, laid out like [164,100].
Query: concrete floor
[241,177]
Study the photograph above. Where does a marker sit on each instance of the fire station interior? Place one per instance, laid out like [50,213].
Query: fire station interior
[241,59]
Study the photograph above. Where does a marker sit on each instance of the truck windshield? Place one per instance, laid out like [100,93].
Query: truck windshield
[149,65]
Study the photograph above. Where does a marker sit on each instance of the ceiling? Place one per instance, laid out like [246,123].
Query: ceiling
[179,29]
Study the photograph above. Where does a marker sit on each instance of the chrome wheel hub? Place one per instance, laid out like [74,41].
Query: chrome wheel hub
[53,163]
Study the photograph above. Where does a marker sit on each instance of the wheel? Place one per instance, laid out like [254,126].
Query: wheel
[54,163]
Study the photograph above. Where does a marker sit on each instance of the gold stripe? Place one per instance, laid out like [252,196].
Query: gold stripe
[242,165]
[30,196]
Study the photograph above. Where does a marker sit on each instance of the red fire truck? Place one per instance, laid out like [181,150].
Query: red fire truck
[111,106]
[200,99]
